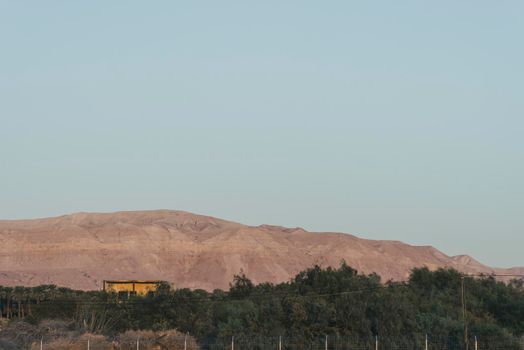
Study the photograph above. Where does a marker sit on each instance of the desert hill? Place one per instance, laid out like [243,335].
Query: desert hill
[194,251]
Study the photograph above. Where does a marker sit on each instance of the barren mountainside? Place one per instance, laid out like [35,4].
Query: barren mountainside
[194,251]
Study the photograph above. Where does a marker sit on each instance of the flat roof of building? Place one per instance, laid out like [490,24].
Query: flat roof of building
[134,281]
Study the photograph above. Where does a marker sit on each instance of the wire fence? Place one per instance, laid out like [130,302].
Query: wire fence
[352,343]
[288,343]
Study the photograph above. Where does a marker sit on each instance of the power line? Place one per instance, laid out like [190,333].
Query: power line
[493,274]
[257,296]
[265,295]
[213,299]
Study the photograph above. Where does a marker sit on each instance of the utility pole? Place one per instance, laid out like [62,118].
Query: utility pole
[463,288]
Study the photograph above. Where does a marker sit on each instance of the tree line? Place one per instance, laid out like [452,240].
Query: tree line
[335,302]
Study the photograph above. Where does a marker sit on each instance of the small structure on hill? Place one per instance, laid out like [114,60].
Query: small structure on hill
[125,288]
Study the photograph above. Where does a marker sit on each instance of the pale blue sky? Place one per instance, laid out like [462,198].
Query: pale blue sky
[387,119]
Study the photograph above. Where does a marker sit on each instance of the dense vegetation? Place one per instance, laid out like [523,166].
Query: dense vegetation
[347,307]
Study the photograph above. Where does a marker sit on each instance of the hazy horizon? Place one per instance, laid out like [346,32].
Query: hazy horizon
[398,121]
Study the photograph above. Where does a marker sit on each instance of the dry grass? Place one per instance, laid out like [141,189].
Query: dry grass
[61,335]
[96,342]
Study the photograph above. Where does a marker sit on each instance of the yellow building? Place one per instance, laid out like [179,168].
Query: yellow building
[131,287]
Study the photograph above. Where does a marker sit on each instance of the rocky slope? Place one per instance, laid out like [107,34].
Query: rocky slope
[81,250]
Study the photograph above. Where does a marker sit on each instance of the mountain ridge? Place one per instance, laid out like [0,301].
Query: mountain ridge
[80,250]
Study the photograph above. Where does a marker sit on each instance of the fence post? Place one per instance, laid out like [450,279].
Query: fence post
[185,342]
[376,342]
[426,342]
[41,343]
[233,342]
[326,343]
[280,343]
[88,344]
[476,344]
[138,343]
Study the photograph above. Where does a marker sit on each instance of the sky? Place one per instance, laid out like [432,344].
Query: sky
[384,119]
